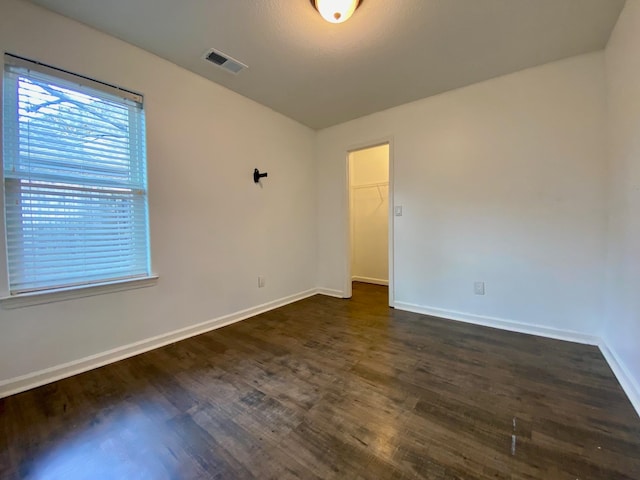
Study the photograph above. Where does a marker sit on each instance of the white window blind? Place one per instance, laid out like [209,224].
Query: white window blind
[74,169]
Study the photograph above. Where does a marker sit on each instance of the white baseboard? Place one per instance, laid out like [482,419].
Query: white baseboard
[330,292]
[626,380]
[375,281]
[501,323]
[58,372]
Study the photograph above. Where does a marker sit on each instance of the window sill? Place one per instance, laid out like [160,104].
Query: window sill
[58,295]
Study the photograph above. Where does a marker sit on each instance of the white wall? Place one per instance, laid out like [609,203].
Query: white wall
[212,229]
[622,329]
[501,182]
[369,179]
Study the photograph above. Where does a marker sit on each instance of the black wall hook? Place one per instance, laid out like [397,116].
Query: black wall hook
[257,175]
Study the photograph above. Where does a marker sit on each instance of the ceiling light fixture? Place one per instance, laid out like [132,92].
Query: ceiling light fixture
[336,11]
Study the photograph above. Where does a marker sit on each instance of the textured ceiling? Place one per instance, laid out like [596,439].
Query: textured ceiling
[389,53]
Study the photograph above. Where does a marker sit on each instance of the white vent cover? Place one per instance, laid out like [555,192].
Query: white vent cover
[224,61]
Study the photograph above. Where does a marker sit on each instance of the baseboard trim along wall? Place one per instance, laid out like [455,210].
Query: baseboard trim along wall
[58,372]
[501,323]
[329,292]
[375,281]
[626,380]
[622,374]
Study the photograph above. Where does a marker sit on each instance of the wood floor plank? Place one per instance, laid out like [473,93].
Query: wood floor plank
[329,389]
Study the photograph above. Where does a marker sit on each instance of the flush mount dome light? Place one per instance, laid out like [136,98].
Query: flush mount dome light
[336,11]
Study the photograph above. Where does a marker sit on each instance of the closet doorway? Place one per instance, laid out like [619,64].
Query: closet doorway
[369,215]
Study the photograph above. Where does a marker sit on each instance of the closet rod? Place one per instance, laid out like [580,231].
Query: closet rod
[370,185]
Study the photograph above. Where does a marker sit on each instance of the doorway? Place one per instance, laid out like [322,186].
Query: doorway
[370,217]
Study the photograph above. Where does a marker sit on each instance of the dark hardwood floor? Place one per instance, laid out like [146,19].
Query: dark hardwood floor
[330,388]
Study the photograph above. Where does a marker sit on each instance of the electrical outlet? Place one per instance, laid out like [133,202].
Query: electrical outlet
[261,281]
[478,288]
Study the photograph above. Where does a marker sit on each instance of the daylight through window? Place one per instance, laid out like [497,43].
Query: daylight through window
[74,170]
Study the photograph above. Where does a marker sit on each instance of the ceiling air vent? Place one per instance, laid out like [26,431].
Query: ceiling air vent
[224,61]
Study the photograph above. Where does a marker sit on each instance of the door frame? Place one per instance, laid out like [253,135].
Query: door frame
[347,288]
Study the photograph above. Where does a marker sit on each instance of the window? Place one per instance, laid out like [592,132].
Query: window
[74,172]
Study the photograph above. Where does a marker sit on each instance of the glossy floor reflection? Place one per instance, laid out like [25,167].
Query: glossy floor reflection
[330,388]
